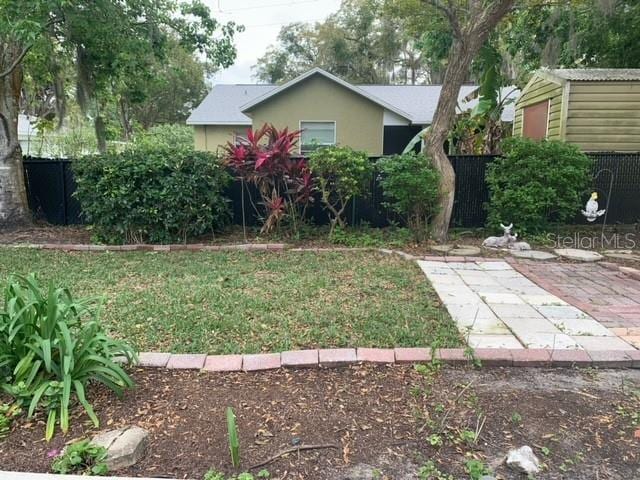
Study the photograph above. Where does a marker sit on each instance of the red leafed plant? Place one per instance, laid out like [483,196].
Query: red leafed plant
[285,183]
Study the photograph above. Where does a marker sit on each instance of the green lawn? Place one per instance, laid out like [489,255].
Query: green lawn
[240,302]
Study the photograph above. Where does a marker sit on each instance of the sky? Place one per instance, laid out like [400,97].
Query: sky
[262,20]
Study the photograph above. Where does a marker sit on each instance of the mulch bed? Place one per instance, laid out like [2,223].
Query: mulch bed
[378,415]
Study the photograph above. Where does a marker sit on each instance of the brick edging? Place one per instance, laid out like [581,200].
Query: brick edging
[336,357]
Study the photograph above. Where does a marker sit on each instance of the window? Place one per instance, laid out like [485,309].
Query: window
[316,134]
[535,118]
[240,137]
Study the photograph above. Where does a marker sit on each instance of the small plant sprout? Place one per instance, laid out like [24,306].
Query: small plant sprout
[516,418]
[234,442]
[83,458]
[435,440]
[476,469]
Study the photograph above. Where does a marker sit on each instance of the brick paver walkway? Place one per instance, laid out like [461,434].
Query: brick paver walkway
[497,306]
[609,296]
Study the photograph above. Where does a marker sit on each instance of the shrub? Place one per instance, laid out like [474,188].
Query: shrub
[342,174]
[152,194]
[51,347]
[265,160]
[410,188]
[535,184]
[166,136]
[81,458]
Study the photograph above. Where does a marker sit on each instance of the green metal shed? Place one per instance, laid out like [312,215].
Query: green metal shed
[596,109]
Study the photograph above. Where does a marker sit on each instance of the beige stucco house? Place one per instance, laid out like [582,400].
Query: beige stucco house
[378,119]
[596,109]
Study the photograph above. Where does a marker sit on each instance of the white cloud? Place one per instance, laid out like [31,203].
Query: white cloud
[262,21]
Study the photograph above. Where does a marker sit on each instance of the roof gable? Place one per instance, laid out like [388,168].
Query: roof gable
[318,71]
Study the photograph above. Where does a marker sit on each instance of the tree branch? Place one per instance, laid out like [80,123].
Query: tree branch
[16,62]
[449,14]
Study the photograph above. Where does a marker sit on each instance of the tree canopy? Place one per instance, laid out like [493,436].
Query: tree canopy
[406,42]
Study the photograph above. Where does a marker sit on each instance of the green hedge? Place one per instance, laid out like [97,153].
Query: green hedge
[536,183]
[156,194]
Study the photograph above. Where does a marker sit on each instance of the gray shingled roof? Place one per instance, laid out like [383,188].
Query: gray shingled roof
[223,105]
[596,74]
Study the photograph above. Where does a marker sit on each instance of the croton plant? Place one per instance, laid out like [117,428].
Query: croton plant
[265,159]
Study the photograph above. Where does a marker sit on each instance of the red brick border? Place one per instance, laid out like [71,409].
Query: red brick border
[340,357]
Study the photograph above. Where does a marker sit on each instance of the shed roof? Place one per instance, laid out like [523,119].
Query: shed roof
[595,74]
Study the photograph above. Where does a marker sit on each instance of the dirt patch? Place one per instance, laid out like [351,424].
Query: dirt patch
[580,424]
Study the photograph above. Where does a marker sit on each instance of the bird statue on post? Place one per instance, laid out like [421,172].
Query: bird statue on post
[591,212]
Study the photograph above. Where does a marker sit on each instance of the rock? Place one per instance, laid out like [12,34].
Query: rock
[533,254]
[362,471]
[622,255]
[125,447]
[523,460]
[466,251]
[441,248]
[580,255]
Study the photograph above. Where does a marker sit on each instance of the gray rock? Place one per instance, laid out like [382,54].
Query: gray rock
[467,251]
[441,248]
[578,254]
[125,447]
[523,460]
[533,254]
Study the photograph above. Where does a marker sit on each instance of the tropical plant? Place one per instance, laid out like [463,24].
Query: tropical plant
[343,173]
[152,194]
[81,458]
[410,188]
[264,159]
[51,347]
[234,441]
[535,184]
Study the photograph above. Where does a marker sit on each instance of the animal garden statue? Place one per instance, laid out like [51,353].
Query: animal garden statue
[507,240]
[591,212]
[503,241]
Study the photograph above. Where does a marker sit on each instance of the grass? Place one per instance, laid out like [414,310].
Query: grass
[239,302]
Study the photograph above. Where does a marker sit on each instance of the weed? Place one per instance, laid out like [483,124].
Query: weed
[429,471]
[81,458]
[435,440]
[476,469]
[516,418]
[7,414]
[234,442]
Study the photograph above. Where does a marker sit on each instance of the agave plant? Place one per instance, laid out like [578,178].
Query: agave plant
[51,347]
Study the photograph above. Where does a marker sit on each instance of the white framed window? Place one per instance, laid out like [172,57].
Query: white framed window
[240,137]
[316,134]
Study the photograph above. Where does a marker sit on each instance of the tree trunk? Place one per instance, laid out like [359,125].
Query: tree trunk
[14,209]
[456,73]
[467,42]
[101,133]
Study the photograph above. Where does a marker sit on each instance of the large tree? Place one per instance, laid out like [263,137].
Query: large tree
[106,40]
[471,22]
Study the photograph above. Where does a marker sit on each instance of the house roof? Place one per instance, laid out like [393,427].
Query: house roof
[225,104]
[594,74]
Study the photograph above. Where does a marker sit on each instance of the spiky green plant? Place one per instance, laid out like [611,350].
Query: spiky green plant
[51,347]
[234,442]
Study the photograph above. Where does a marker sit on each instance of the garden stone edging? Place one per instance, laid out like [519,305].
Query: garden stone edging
[337,357]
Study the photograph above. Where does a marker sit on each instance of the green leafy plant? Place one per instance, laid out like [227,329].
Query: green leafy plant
[147,193]
[435,440]
[429,471]
[410,186]
[476,469]
[82,458]
[7,414]
[234,442]
[516,418]
[51,347]
[342,174]
[535,184]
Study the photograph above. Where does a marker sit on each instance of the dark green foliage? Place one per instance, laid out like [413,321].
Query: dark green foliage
[51,347]
[535,184]
[410,185]
[157,194]
[81,458]
[342,173]
[7,414]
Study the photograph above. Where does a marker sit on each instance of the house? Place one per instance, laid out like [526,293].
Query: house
[378,119]
[596,109]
